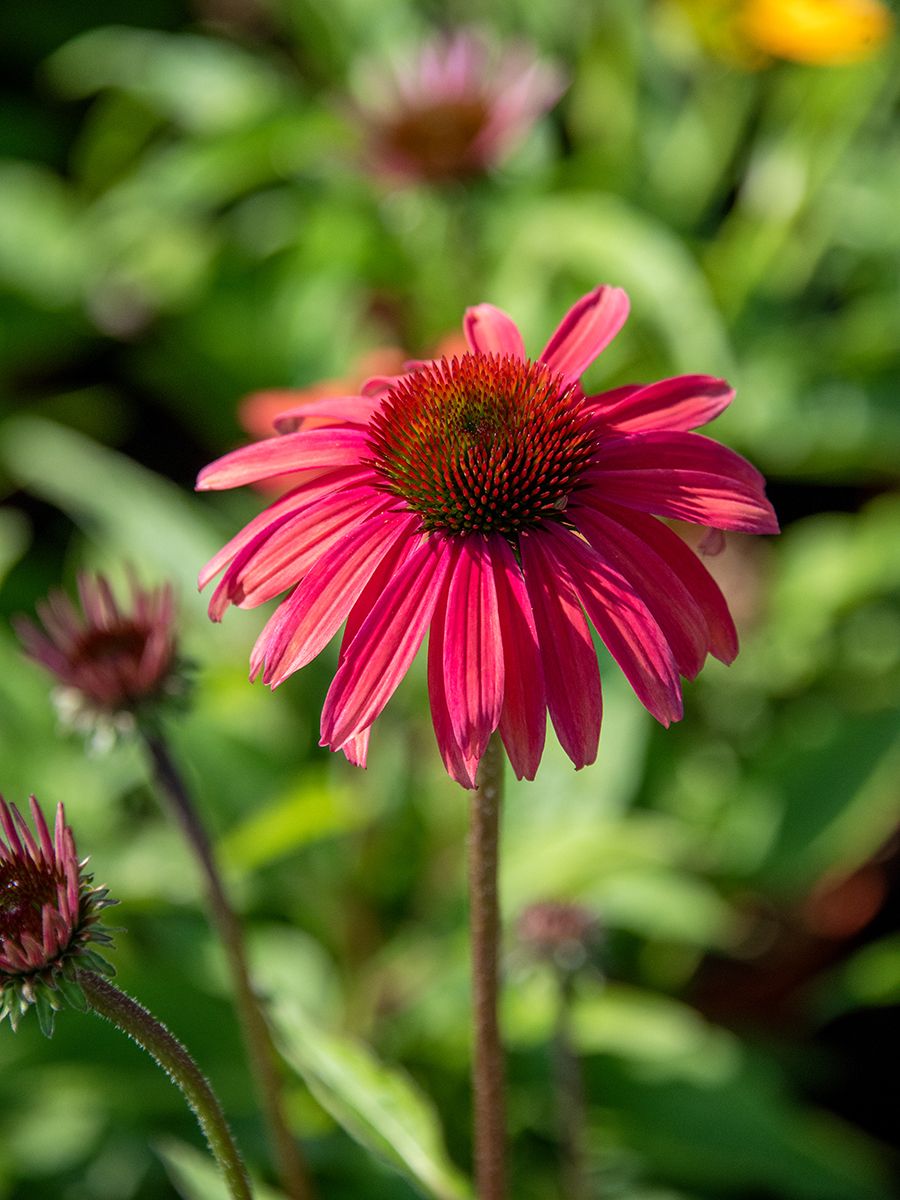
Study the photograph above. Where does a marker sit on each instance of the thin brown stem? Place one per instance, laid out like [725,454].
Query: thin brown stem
[140,1025]
[257,1038]
[484,916]
[570,1096]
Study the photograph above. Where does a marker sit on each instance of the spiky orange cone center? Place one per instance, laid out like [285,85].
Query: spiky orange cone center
[482,443]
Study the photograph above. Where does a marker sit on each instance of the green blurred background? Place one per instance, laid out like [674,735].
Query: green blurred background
[186,217]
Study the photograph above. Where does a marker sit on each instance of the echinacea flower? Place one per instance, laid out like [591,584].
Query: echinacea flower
[49,914]
[110,660]
[487,499]
[455,109]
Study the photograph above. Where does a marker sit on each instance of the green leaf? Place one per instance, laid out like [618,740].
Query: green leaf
[313,808]
[839,795]
[378,1105]
[46,1013]
[207,85]
[196,1176]
[137,514]
[42,252]
[15,538]
[740,1133]
[870,978]
[602,239]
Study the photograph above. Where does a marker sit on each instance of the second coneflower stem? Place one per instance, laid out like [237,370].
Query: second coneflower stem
[488,1072]
[570,1096]
[257,1037]
[132,1018]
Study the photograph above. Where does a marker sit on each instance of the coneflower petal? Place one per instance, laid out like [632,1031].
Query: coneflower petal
[309,450]
[682,403]
[490,330]
[586,330]
[380,654]
[473,651]
[523,720]
[571,674]
[623,621]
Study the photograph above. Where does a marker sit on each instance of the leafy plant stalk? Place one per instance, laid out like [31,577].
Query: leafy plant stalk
[257,1037]
[484,914]
[132,1018]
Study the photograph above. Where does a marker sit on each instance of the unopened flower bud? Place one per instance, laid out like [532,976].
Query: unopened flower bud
[559,933]
[112,661]
[49,917]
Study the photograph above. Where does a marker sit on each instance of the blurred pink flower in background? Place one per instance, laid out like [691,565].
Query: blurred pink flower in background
[488,499]
[456,108]
[109,659]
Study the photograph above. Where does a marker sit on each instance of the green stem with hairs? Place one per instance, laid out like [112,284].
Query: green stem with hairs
[257,1037]
[132,1018]
[484,915]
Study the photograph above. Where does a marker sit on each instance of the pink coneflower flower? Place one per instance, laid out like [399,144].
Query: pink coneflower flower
[109,659]
[487,499]
[48,916]
[455,109]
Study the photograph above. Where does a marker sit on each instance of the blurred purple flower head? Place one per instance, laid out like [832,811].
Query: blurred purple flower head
[559,932]
[48,917]
[456,108]
[110,659]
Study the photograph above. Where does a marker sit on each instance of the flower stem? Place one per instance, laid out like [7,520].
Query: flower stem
[570,1098]
[132,1018]
[484,915]
[257,1038]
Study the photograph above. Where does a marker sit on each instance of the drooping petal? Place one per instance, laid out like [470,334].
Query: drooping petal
[622,619]
[291,501]
[490,330]
[681,475]
[692,496]
[357,410]
[473,652]
[357,748]
[383,649]
[571,674]
[523,719]
[376,386]
[682,403]
[674,450]
[308,450]
[280,557]
[586,329]
[318,606]
[723,638]
[670,602]
[456,765]
[387,569]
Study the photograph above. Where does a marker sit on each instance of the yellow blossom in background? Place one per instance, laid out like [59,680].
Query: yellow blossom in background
[816,31]
[750,33]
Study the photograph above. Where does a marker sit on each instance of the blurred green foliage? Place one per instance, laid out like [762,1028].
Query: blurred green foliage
[185,216]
